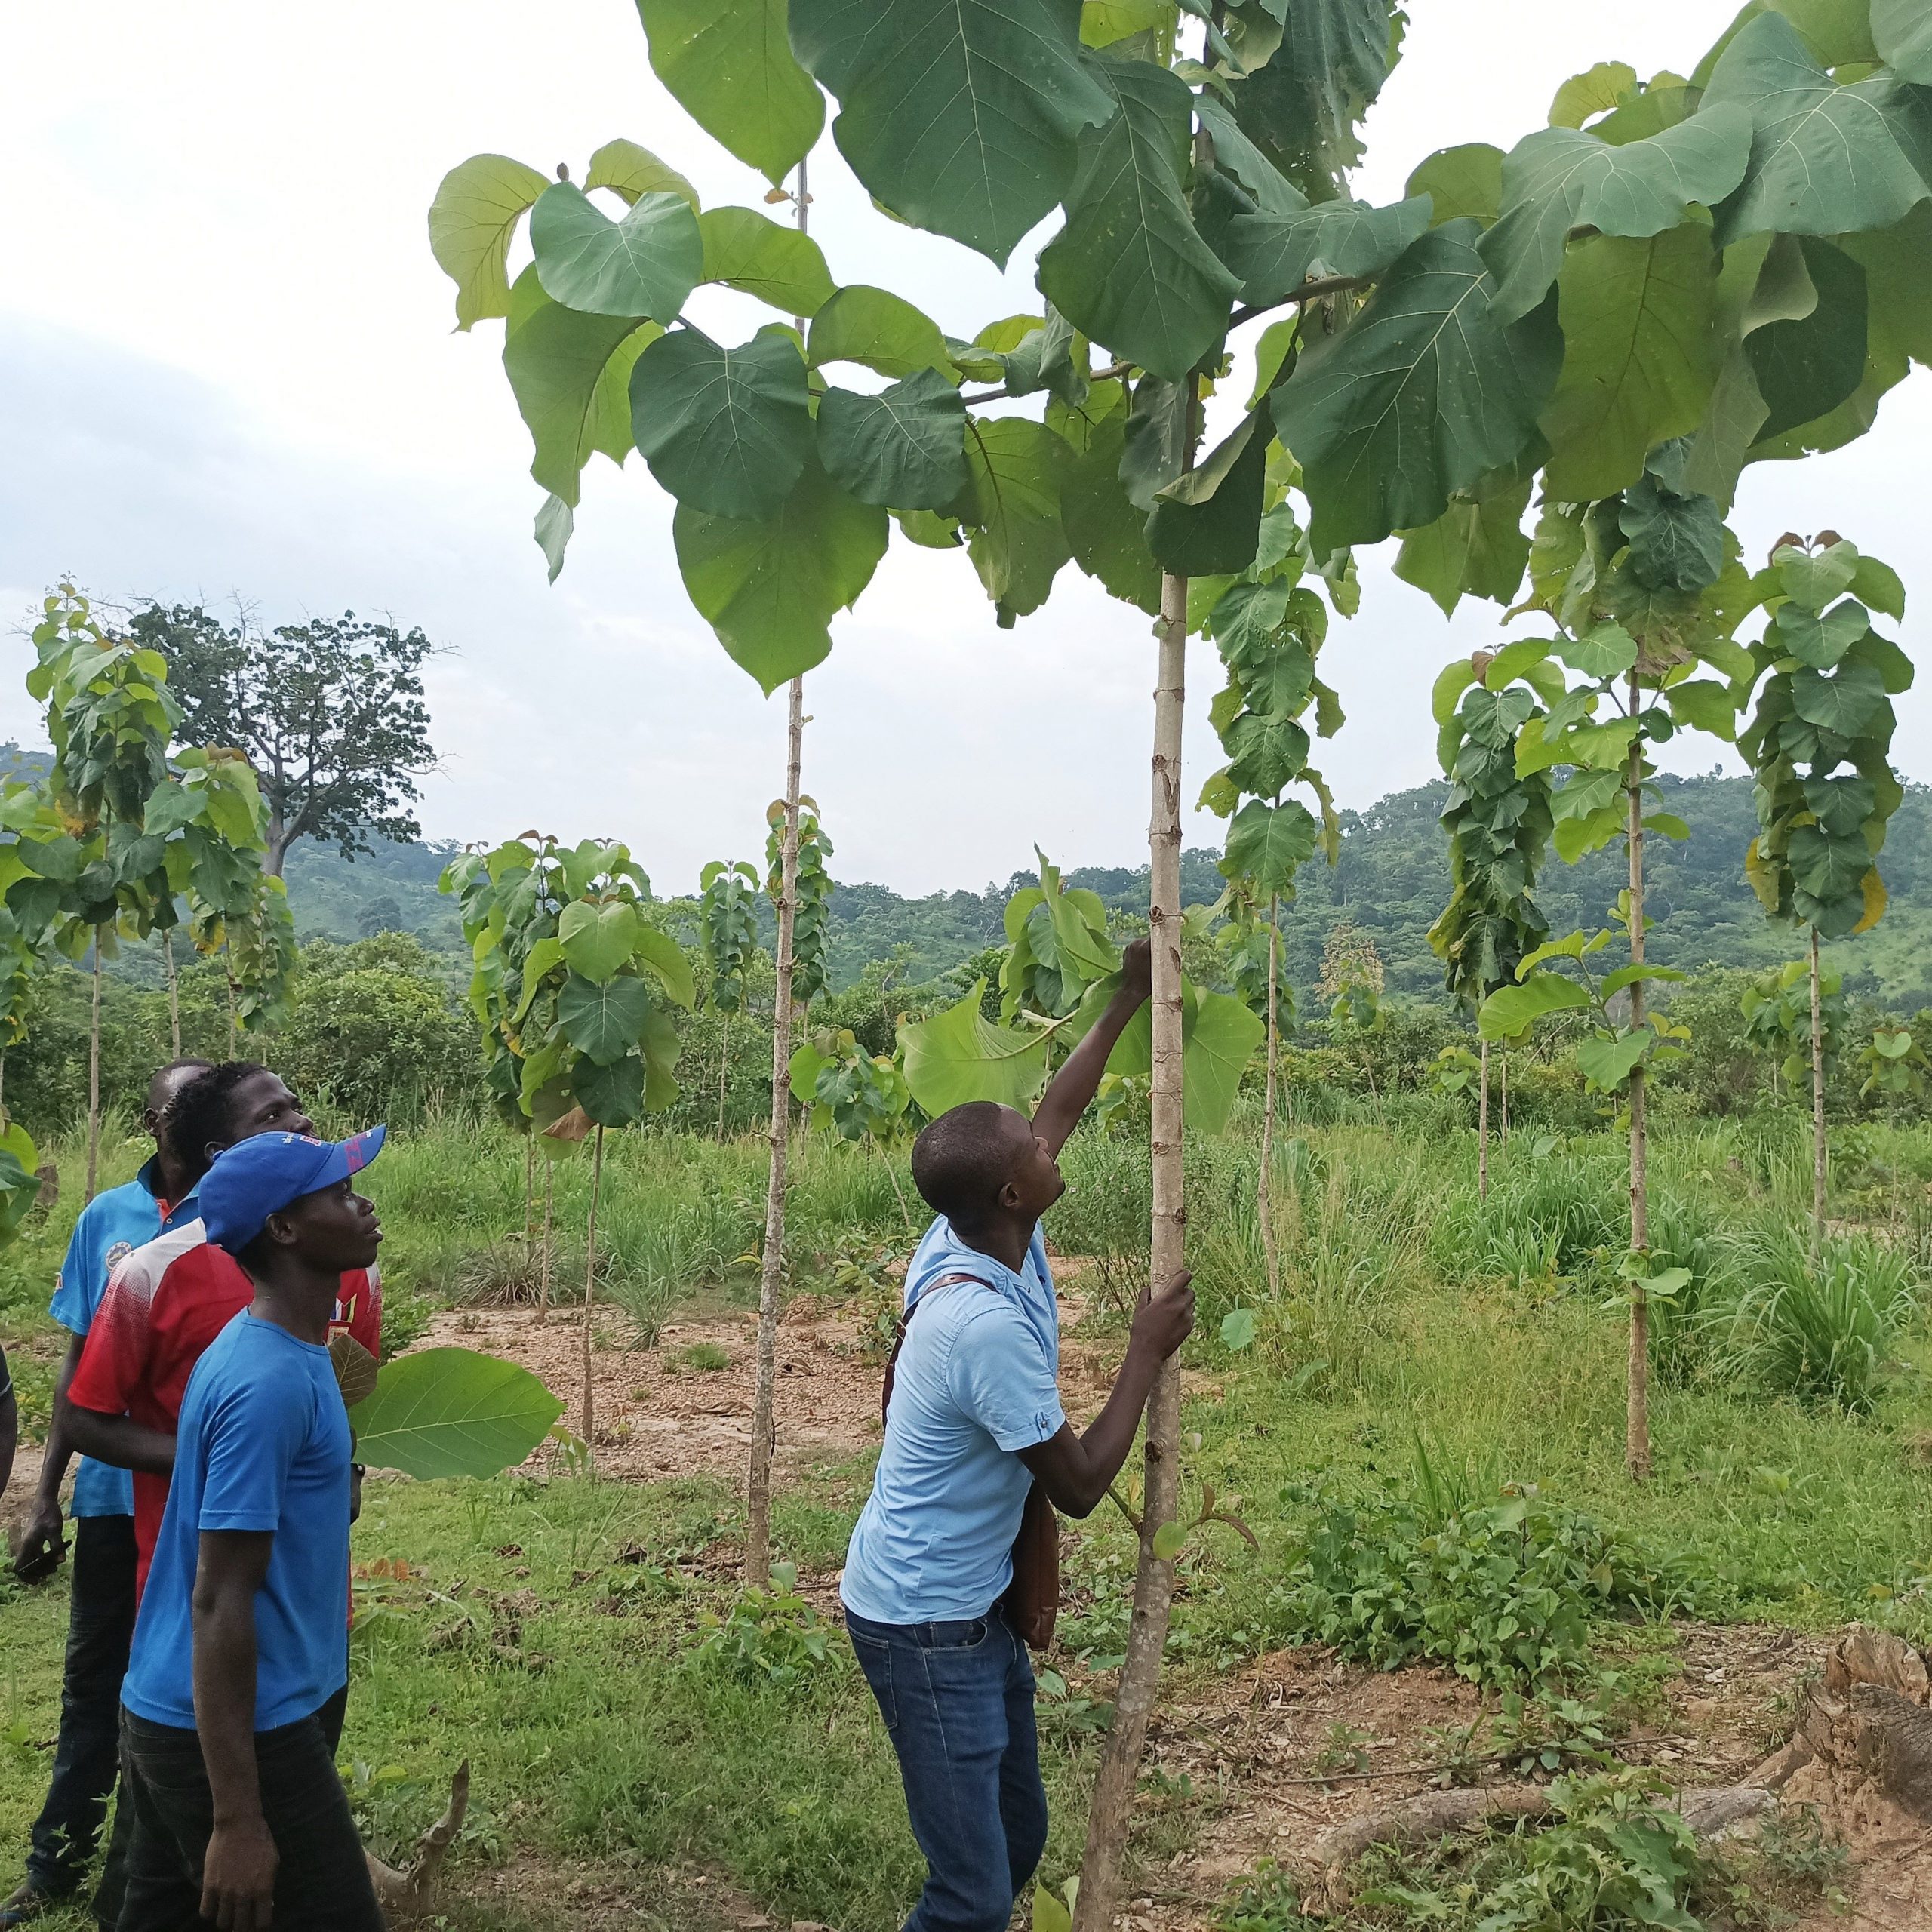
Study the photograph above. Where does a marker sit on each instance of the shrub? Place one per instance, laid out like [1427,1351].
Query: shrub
[771,1636]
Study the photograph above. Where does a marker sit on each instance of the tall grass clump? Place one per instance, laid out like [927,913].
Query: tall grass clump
[1554,1217]
[1685,1233]
[1829,1333]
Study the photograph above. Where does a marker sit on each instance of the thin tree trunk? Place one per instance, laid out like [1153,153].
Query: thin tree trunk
[1636,1415]
[1154,1579]
[543,1266]
[3,1093]
[1503,1059]
[892,1175]
[529,1188]
[1482,1131]
[723,1068]
[93,1077]
[771,1275]
[234,1017]
[1265,1192]
[590,1305]
[1820,1153]
[174,990]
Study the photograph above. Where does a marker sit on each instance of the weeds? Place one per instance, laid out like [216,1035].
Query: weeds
[772,1637]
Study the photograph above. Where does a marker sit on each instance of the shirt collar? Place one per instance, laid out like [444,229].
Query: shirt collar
[149,1177]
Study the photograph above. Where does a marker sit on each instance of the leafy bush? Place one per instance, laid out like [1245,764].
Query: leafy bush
[1503,1592]
[769,1637]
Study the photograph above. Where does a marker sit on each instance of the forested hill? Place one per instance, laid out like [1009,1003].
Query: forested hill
[1393,879]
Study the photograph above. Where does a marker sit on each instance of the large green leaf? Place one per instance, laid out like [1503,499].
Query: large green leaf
[1845,701]
[603,1021]
[1560,179]
[1477,548]
[1420,397]
[1677,543]
[770,589]
[647,264]
[1207,523]
[1303,108]
[1216,1051]
[570,375]
[1903,29]
[613,1096]
[1275,254]
[1818,641]
[1640,357]
[597,940]
[1265,753]
[659,951]
[750,252]
[1016,544]
[1806,365]
[1106,532]
[726,430]
[477,208]
[729,65]
[905,447]
[1128,269]
[958,1055]
[1461,181]
[19,1179]
[961,118]
[1267,844]
[878,329]
[1510,1010]
[1607,1060]
[1825,159]
[631,171]
[452,1412]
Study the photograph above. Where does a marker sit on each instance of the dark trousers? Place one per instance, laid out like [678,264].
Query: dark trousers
[321,1882]
[100,1624]
[958,1703]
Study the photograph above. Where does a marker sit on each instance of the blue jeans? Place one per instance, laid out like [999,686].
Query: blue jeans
[958,1703]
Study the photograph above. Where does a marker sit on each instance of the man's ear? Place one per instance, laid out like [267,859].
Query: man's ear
[280,1229]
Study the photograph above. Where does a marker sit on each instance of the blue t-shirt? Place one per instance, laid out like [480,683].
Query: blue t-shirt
[111,1226]
[264,1445]
[977,1381]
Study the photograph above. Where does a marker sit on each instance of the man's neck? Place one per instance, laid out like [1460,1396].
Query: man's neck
[174,1180]
[1006,1241]
[297,1298]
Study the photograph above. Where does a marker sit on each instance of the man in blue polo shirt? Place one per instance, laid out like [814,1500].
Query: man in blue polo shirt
[233,1706]
[101,1612]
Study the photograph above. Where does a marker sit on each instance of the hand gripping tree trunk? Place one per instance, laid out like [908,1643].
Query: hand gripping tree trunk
[93,1077]
[758,1495]
[1265,1192]
[1820,1153]
[1154,1581]
[1482,1129]
[1637,1418]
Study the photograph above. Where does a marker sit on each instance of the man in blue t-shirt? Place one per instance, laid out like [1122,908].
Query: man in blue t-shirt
[975,1420]
[101,1610]
[231,1708]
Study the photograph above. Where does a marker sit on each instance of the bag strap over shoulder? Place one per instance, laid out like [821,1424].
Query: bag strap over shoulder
[905,1321]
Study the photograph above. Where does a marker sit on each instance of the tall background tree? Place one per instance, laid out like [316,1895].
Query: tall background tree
[330,713]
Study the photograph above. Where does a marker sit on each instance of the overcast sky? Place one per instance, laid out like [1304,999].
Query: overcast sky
[228,368]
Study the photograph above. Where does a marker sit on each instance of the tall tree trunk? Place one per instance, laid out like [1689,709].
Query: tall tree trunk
[543,1265]
[3,1092]
[277,847]
[174,990]
[1482,1129]
[234,1014]
[590,1304]
[93,1077]
[1154,1579]
[771,1275]
[529,1188]
[1503,1067]
[1820,1153]
[1637,1414]
[724,1070]
[1265,1192]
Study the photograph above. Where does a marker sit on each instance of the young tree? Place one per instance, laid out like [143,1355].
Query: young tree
[330,713]
[728,923]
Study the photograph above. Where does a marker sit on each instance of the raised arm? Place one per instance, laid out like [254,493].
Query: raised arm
[1075,1470]
[1071,1091]
[238,1875]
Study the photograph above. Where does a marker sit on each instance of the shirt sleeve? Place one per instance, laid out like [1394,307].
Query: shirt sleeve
[114,1357]
[999,1375]
[77,1288]
[253,1435]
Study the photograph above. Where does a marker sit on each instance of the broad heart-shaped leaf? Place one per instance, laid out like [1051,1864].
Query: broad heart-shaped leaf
[1830,866]
[612,1096]
[631,171]
[728,63]
[905,447]
[1275,254]
[1303,107]
[770,589]
[1267,844]
[1583,97]
[570,375]
[1477,548]
[452,1412]
[957,1055]
[1845,701]
[1606,1061]
[596,940]
[1208,522]
[1215,1053]
[1128,269]
[1903,29]
[878,329]
[659,951]
[647,264]
[961,118]
[1806,365]
[1105,532]
[726,430]
[1266,754]
[1017,545]
[750,252]
[1560,179]
[1461,181]
[604,1021]
[1825,159]
[1423,394]
[1819,641]
[1511,1010]
[477,208]
[1639,357]
[1676,543]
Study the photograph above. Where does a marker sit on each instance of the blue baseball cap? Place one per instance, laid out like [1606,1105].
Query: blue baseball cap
[258,1177]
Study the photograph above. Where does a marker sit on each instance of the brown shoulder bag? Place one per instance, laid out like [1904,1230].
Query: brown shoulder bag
[1032,1600]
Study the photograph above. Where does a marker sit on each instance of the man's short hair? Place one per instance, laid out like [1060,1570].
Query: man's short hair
[202,1114]
[190,1065]
[962,1160]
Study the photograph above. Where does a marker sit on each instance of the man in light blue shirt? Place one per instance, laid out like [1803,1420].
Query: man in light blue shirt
[101,1614]
[975,1419]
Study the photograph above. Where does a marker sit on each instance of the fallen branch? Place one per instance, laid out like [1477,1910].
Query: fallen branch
[410,1894]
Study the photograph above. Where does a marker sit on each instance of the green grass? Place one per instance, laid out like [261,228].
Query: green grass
[546,1631]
